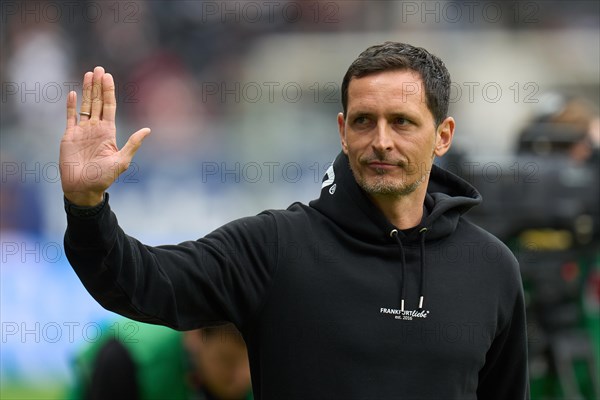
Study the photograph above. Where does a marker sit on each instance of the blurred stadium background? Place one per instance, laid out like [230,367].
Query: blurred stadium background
[242,97]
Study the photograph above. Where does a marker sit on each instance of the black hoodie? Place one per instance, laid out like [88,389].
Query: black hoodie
[333,301]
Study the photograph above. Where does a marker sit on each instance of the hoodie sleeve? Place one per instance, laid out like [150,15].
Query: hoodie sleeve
[505,374]
[221,277]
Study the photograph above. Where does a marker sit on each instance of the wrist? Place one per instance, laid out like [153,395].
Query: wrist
[85,199]
[85,211]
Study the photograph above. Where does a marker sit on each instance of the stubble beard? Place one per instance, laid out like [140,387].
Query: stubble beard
[384,185]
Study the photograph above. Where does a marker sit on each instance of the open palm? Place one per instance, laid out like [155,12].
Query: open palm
[89,158]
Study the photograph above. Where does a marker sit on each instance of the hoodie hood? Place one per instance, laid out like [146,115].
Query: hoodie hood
[345,202]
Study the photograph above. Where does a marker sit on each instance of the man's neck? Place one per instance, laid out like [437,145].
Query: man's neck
[404,212]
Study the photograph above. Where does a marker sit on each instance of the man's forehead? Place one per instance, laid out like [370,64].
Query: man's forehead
[397,87]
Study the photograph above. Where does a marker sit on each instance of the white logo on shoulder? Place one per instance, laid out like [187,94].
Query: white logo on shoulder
[332,188]
[406,315]
[330,177]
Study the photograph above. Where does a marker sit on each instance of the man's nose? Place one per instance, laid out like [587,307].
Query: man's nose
[382,139]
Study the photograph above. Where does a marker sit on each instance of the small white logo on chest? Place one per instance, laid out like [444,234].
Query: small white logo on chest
[407,315]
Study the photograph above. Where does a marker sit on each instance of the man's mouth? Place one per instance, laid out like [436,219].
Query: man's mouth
[382,165]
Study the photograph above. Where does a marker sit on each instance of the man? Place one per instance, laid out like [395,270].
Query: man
[377,290]
[219,361]
[154,362]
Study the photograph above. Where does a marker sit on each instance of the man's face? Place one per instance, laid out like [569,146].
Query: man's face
[222,362]
[389,134]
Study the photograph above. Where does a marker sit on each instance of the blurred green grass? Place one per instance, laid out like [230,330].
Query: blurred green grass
[27,391]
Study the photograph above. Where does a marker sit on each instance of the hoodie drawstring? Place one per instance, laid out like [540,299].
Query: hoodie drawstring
[394,234]
[422,232]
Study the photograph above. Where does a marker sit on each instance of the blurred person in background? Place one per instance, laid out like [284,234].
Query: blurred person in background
[34,81]
[349,297]
[557,234]
[566,125]
[153,362]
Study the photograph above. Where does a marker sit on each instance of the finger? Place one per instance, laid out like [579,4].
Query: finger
[97,93]
[109,108]
[71,109]
[86,101]
[132,146]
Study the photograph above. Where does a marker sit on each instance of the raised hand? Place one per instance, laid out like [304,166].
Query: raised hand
[89,158]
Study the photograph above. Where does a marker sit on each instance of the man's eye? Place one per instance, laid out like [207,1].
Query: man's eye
[362,120]
[401,121]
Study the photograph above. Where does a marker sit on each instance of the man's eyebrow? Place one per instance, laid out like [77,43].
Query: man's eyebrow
[404,114]
[360,112]
[392,114]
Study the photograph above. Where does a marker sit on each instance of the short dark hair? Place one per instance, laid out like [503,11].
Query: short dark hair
[391,56]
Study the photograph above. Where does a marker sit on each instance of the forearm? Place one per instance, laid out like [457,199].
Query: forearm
[183,286]
[101,254]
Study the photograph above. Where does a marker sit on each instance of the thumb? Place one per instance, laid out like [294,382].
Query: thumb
[132,145]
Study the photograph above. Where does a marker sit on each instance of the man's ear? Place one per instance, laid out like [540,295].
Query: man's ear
[342,130]
[443,138]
